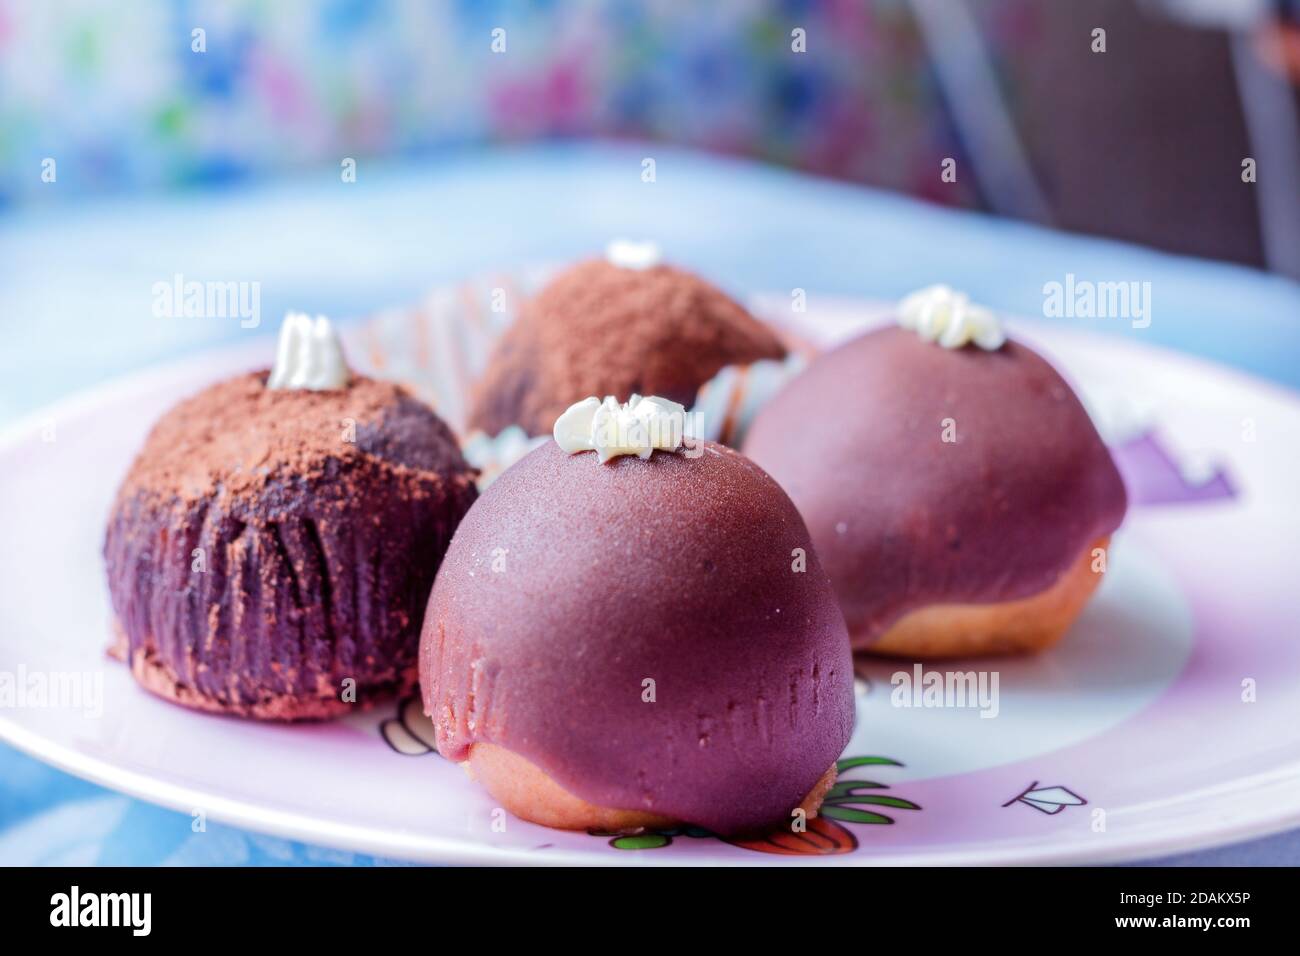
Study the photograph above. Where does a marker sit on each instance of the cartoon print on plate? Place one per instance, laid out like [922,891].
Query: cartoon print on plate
[1158,469]
[1049,800]
[410,732]
[1157,475]
[820,836]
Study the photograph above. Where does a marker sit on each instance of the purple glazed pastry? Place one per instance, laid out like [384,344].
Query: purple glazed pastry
[957,492]
[638,641]
[271,543]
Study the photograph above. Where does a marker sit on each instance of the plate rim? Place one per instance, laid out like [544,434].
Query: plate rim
[442,850]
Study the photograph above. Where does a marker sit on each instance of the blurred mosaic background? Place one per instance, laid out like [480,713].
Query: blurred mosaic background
[116,93]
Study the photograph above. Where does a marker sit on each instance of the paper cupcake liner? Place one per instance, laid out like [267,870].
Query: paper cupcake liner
[440,346]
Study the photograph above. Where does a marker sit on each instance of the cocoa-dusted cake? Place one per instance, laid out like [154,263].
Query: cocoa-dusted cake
[270,552]
[615,326]
[636,637]
[956,489]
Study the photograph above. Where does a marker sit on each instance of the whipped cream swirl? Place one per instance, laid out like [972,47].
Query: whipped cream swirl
[942,315]
[638,427]
[309,355]
[627,254]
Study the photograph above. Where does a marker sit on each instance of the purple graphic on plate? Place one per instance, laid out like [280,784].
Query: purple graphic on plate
[1154,476]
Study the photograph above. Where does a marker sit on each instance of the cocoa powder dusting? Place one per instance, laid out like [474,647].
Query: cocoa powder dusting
[236,433]
[598,329]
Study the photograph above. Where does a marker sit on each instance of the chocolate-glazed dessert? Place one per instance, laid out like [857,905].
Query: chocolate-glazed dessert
[958,494]
[615,326]
[270,551]
[638,636]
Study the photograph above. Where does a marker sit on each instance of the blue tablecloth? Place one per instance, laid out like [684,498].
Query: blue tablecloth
[75,309]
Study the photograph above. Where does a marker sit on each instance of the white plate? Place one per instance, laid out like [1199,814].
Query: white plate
[1137,731]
